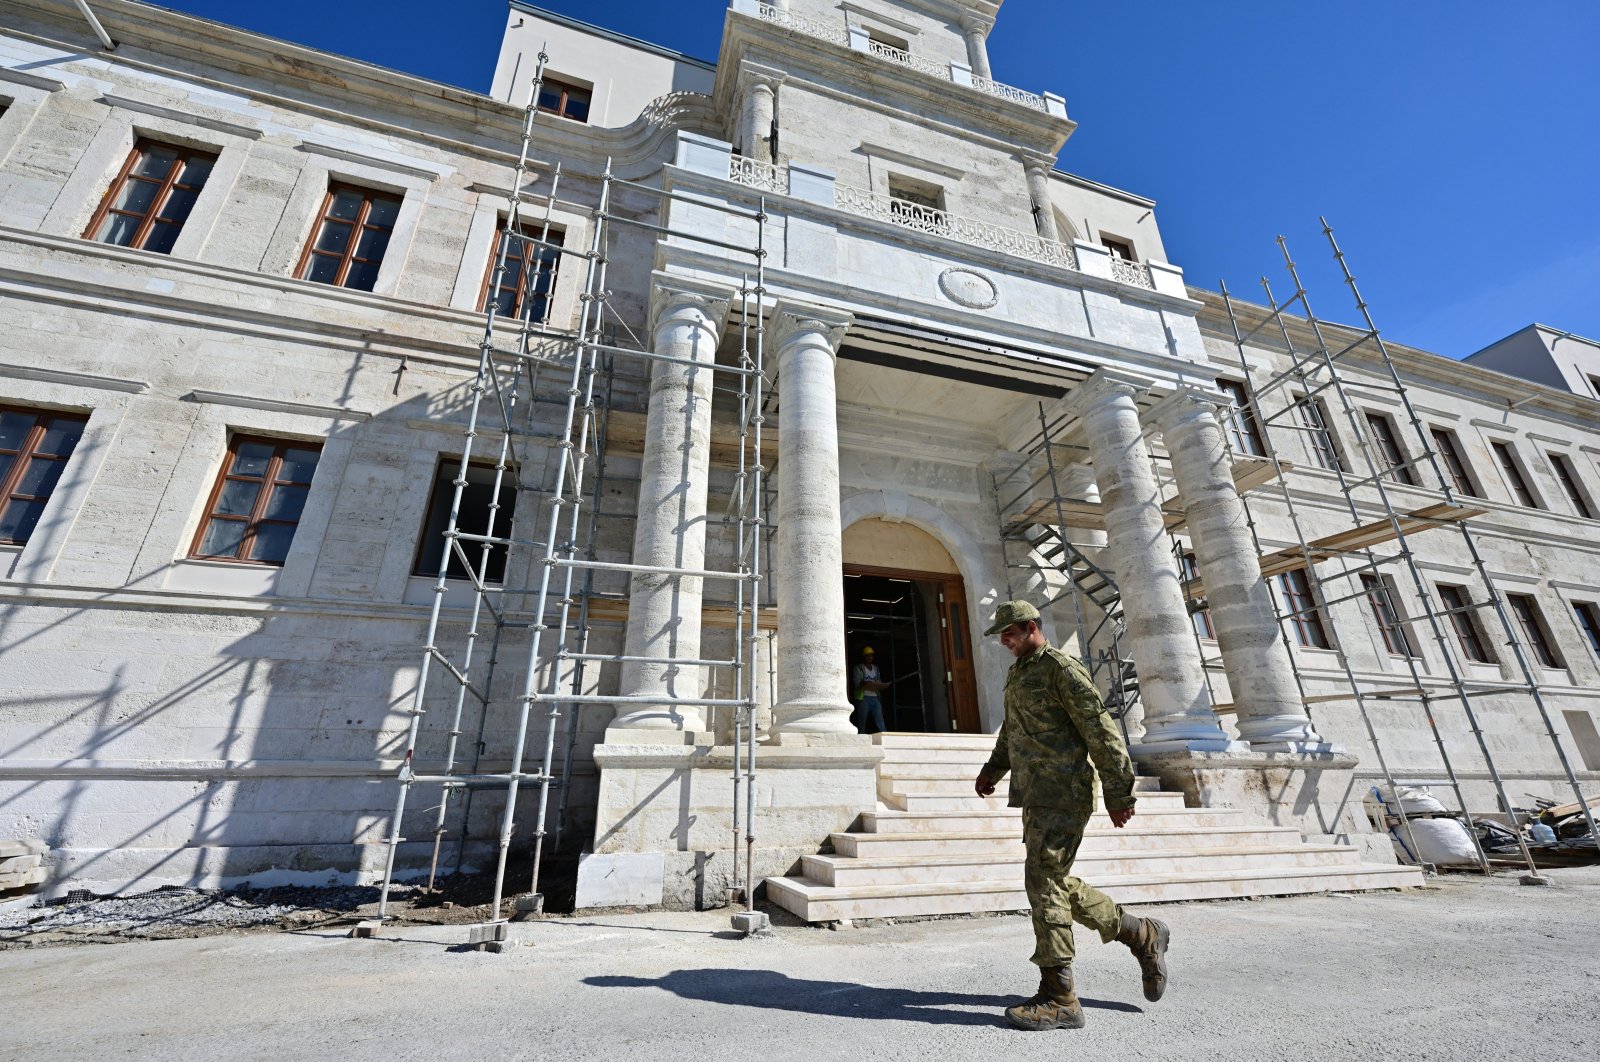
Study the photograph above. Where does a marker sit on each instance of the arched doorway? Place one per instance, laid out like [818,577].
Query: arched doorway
[905,597]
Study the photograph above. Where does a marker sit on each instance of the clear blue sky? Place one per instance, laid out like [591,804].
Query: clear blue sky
[1454,144]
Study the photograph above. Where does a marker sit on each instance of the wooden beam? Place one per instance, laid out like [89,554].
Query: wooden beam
[1248,474]
[1366,536]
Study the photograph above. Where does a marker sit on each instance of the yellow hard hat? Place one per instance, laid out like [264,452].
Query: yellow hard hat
[867,649]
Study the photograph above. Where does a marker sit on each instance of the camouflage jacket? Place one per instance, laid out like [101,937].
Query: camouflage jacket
[1055,726]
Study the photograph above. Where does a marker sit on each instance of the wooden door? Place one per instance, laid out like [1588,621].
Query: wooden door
[961,683]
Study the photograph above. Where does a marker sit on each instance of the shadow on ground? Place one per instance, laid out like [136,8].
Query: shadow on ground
[770,990]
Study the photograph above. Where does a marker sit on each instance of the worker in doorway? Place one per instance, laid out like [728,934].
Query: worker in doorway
[866,682]
[1055,727]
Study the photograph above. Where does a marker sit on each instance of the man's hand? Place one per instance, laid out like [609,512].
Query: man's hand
[983,787]
[1119,819]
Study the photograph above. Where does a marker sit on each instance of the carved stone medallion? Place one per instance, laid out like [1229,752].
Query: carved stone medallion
[969,288]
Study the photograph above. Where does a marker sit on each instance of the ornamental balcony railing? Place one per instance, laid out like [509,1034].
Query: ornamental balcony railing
[753,173]
[1135,273]
[954,73]
[936,222]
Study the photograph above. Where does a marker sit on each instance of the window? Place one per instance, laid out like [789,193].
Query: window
[565,99]
[1569,483]
[1594,385]
[352,235]
[1464,623]
[34,448]
[1243,425]
[917,193]
[1450,453]
[881,43]
[1119,248]
[1391,457]
[1199,613]
[1588,622]
[1302,609]
[530,275]
[1380,595]
[1525,610]
[151,197]
[256,504]
[1314,418]
[1513,473]
[472,519]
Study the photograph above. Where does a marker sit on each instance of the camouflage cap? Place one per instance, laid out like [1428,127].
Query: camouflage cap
[1009,613]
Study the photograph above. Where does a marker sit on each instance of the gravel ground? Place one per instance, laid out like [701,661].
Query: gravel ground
[1467,969]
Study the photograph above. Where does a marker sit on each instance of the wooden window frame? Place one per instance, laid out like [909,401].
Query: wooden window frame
[1119,247]
[148,222]
[1587,615]
[1387,439]
[1455,466]
[1468,638]
[1244,425]
[1391,625]
[1324,447]
[1521,489]
[567,89]
[1525,610]
[25,455]
[1300,601]
[557,235]
[258,510]
[1567,476]
[358,227]
[1189,569]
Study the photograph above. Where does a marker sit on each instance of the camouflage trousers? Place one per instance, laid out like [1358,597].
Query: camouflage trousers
[1052,837]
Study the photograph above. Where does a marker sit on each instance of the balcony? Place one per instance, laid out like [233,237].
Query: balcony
[856,39]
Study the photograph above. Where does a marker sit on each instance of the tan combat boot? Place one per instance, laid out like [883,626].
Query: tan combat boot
[1054,1006]
[1147,939]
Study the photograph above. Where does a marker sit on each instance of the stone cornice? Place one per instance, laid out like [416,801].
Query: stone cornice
[669,293]
[793,319]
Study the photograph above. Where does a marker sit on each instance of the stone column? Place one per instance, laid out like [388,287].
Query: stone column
[1271,714]
[756,116]
[809,559]
[1177,715]
[977,33]
[1044,215]
[664,611]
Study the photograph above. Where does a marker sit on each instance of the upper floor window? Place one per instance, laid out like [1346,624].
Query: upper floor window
[565,99]
[881,43]
[34,448]
[1464,623]
[1588,617]
[257,501]
[1301,606]
[1569,483]
[1314,419]
[1380,595]
[151,197]
[351,237]
[479,501]
[1513,473]
[1119,248]
[1243,425]
[1200,613]
[530,276]
[1392,458]
[1450,453]
[1525,610]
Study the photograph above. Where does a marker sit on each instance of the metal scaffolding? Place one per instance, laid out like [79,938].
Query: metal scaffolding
[556,591]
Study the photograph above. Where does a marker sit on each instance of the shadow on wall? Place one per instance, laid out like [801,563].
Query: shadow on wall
[206,743]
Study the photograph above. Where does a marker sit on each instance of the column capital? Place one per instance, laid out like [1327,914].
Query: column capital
[1102,385]
[674,295]
[971,23]
[1037,165]
[1187,405]
[761,77]
[792,321]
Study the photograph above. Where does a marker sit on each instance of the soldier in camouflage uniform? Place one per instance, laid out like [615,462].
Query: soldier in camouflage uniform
[1055,726]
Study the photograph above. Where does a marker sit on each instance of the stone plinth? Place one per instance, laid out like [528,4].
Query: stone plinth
[1316,793]
[678,801]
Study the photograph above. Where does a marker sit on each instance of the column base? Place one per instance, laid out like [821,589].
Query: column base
[813,717]
[649,735]
[1283,733]
[1184,746]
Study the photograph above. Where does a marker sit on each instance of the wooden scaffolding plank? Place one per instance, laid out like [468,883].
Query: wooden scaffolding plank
[614,610]
[1248,474]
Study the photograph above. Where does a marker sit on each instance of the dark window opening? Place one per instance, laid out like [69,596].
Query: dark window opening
[1380,595]
[1392,457]
[1450,453]
[478,501]
[151,197]
[1119,248]
[34,449]
[1314,418]
[1526,612]
[1301,606]
[1588,622]
[1465,624]
[258,501]
[1243,425]
[530,276]
[1569,483]
[1200,614]
[1514,478]
[352,236]
[565,99]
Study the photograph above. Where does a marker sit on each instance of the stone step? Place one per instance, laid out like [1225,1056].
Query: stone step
[1001,818]
[970,801]
[822,903]
[1100,837]
[934,741]
[973,757]
[844,871]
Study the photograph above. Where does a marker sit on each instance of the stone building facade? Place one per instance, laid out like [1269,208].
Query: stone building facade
[239,412]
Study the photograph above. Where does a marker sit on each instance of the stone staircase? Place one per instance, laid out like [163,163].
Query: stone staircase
[933,847]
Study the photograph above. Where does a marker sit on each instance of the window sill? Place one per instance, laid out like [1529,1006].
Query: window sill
[223,578]
[458,593]
[10,555]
